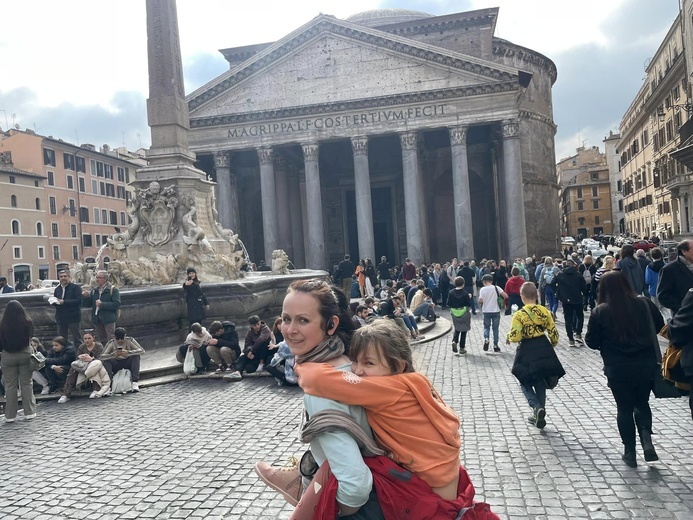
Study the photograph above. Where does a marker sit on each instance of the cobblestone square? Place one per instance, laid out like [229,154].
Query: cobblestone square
[187,449]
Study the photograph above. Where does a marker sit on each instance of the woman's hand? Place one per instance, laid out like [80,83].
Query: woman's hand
[58,369]
[188,282]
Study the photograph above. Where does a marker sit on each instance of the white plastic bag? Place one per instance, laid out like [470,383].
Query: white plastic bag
[189,367]
[121,382]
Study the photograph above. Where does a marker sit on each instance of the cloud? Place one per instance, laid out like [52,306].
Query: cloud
[202,68]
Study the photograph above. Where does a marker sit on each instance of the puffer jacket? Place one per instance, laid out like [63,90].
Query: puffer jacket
[571,286]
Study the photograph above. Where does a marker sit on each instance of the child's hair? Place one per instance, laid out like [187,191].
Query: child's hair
[459,281]
[36,341]
[369,300]
[388,340]
[515,271]
[196,328]
[529,291]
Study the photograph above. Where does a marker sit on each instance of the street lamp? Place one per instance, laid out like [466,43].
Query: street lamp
[688,107]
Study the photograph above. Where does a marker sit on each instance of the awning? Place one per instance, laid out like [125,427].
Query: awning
[684,153]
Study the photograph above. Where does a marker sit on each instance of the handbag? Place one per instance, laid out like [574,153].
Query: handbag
[661,388]
[79,366]
[189,367]
[121,382]
[37,361]
[499,299]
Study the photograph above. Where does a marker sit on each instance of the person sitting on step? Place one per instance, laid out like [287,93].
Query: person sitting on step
[223,348]
[123,352]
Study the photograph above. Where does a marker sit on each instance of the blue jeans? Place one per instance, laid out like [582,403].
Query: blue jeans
[425,310]
[536,396]
[470,292]
[492,318]
[410,322]
[551,298]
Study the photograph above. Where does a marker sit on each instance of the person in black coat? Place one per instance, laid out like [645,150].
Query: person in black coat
[676,278]
[620,327]
[571,289]
[630,267]
[194,298]
[68,308]
[58,363]
[680,332]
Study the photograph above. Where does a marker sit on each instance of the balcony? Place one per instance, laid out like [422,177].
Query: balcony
[676,182]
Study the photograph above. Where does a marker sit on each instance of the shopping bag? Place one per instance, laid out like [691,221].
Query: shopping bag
[189,367]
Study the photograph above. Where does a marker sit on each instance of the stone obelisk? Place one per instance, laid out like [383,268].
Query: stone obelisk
[173,210]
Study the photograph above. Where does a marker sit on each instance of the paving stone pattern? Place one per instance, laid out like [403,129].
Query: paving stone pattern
[186,450]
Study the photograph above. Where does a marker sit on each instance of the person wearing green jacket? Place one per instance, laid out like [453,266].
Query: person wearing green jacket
[104,300]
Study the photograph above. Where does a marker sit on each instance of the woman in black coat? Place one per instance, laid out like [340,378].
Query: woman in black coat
[194,298]
[680,332]
[621,328]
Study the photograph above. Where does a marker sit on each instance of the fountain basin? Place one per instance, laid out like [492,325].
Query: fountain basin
[157,315]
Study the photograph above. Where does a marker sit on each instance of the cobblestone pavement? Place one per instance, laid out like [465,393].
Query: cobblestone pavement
[186,450]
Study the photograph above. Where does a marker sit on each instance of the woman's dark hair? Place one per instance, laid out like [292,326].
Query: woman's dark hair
[621,301]
[60,341]
[331,302]
[277,327]
[16,327]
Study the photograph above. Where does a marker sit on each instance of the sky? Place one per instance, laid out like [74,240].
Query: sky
[77,69]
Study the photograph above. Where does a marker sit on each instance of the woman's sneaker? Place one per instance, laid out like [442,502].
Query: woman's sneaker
[46,390]
[286,480]
[63,399]
[485,345]
[94,395]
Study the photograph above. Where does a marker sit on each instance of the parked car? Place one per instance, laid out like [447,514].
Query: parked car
[644,245]
[567,241]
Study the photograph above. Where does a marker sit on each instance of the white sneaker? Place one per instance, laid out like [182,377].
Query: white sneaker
[94,395]
[9,420]
[30,416]
[46,390]
[233,376]
[63,399]
[260,367]
[135,386]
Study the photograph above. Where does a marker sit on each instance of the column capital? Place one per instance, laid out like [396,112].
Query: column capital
[265,155]
[222,159]
[310,151]
[359,145]
[458,135]
[409,140]
[280,162]
[510,128]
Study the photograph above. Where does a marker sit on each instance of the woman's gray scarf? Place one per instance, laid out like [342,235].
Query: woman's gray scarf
[330,348]
[329,421]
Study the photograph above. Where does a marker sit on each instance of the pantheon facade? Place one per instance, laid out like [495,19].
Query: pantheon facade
[391,133]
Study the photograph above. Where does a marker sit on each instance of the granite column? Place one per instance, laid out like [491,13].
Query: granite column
[269,201]
[315,252]
[283,205]
[412,197]
[294,203]
[362,189]
[225,207]
[461,194]
[513,190]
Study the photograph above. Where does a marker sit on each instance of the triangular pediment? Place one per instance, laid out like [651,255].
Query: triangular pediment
[329,61]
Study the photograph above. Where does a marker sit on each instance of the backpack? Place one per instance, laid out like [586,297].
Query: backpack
[548,276]
[587,275]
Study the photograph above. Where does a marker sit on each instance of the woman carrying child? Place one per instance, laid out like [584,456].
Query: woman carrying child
[536,365]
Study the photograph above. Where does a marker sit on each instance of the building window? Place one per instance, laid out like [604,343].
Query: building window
[581,221]
[73,230]
[97,216]
[110,190]
[56,252]
[83,214]
[41,252]
[645,138]
[619,186]
[39,229]
[595,191]
[73,208]
[108,171]
[81,166]
[580,206]
[596,219]
[70,182]
[36,184]
[95,187]
[13,179]
[69,161]
[121,192]
[92,166]
[104,216]
[675,92]
[670,131]
[75,253]
[127,175]
[38,203]
[17,252]
[102,188]
[99,169]
[579,193]
[48,157]
[54,229]
[677,121]
[15,227]
[122,218]
[113,218]
[13,201]
[594,176]
[86,240]
[620,205]
[51,179]
[121,174]
[82,187]
[595,204]
[98,240]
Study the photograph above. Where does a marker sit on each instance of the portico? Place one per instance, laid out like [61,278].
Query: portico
[427,174]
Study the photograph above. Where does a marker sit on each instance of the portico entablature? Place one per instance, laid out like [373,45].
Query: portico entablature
[315,124]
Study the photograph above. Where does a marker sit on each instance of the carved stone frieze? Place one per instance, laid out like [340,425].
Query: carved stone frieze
[327,25]
[359,145]
[265,156]
[360,104]
[505,48]
[310,151]
[409,140]
[510,129]
[222,159]
[458,135]
[526,114]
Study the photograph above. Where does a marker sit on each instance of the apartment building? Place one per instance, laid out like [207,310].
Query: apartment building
[613,162]
[649,133]
[84,194]
[585,194]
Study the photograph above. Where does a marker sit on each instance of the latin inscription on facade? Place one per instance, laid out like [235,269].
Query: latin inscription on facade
[349,120]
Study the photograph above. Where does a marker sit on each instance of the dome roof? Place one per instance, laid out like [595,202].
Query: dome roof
[378,17]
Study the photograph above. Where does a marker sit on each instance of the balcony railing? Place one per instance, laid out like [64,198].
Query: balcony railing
[678,181]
